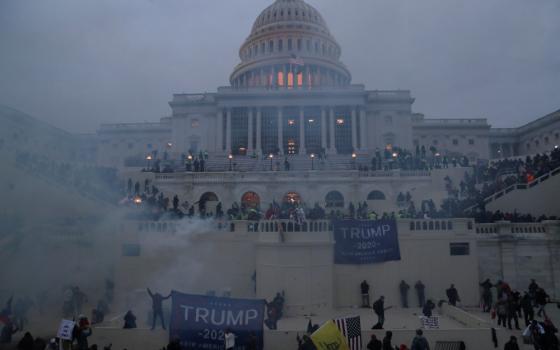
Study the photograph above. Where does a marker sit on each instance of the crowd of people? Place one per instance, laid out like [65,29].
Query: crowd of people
[511,306]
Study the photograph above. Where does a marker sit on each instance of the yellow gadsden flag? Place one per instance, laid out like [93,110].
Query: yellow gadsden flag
[328,337]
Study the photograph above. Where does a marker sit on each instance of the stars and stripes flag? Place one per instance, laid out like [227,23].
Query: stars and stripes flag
[296,61]
[351,329]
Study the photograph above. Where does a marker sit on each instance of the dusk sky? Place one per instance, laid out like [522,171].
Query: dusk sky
[76,64]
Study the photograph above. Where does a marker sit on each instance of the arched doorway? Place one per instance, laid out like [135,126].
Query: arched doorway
[207,202]
[292,198]
[334,199]
[250,200]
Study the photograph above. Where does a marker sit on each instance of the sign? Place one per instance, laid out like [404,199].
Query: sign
[365,241]
[431,322]
[199,321]
[65,329]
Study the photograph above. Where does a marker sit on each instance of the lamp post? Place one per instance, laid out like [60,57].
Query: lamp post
[354,156]
[189,162]
[138,200]
[230,157]
[271,156]
[312,161]
[148,159]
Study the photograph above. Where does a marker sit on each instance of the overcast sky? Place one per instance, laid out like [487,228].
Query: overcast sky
[77,64]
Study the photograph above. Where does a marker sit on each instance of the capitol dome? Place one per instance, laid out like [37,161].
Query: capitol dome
[290,46]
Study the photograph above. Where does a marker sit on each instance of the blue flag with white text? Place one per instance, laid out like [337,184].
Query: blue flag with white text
[199,321]
[365,241]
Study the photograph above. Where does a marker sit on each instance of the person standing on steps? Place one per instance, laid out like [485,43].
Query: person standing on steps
[157,308]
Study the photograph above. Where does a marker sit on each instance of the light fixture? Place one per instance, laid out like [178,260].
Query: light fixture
[395,154]
[271,156]
[340,121]
[291,122]
[148,157]
[312,120]
[230,157]
[312,155]
[354,155]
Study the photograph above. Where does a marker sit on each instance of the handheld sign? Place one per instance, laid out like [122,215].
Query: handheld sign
[65,329]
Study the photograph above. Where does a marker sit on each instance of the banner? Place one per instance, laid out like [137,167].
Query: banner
[199,321]
[365,242]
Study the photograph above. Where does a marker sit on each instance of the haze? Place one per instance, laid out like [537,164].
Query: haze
[77,64]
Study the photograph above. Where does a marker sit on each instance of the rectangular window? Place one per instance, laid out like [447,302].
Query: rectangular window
[131,249]
[471,142]
[308,45]
[299,44]
[280,45]
[289,44]
[456,249]
[455,142]
[271,46]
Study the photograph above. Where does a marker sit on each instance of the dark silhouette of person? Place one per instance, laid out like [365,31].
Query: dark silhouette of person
[379,309]
[26,343]
[511,344]
[427,308]
[387,341]
[129,320]
[527,307]
[486,295]
[420,291]
[157,308]
[452,295]
[364,287]
[403,288]
[374,343]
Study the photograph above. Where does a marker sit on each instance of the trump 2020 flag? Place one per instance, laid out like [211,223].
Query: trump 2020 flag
[329,337]
[351,329]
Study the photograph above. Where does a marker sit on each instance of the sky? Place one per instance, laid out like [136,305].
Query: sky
[77,64]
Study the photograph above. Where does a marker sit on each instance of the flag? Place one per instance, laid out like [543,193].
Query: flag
[351,329]
[328,337]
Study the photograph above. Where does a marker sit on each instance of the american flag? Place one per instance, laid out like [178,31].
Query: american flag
[351,330]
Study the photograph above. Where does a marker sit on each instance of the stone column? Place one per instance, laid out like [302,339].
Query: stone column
[302,131]
[280,132]
[284,76]
[332,145]
[354,130]
[220,131]
[250,131]
[259,127]
[228,131]
[324,129]
[363,130]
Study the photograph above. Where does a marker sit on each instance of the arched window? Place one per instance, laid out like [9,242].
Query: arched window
[376,196]
[334,199]
[250,199]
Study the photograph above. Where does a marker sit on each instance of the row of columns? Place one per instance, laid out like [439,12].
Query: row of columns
[311,76]
[362,145]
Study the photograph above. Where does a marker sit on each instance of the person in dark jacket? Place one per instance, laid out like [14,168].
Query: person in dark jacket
[387,341]
[428,307]
[512,312]
[379,309]
[82,334]
[305,343]
[374,343]
[403,288]
[527,307]
[452,295]
[486,295]
[541,298]
[129,320]
[364,288]
[420,291]
[157,308]
[419,342]
[511,344]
